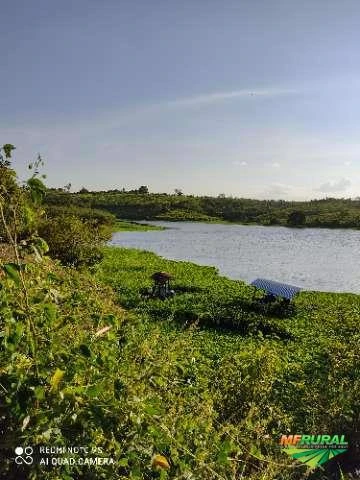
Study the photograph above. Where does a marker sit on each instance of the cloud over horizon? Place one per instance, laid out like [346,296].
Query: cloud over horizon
[337,186]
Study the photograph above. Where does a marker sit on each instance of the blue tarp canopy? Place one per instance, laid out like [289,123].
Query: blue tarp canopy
[276,288]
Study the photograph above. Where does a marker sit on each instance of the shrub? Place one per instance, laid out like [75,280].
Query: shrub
[296,218]
[57,379]
[12,200]
[19,212]
[93,215]
[72,241]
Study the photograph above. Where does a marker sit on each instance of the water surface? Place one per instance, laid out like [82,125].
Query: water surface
[315,259]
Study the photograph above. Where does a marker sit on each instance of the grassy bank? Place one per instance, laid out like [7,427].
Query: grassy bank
[215,383]
[203,379]
[128,226]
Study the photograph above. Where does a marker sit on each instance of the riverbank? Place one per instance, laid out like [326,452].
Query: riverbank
[296,256]
[129,226]
[217,382]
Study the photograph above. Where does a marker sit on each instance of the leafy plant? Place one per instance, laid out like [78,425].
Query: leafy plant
[71,240]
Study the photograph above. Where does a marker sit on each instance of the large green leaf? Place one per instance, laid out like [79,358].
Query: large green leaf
[12,271]
[37,189]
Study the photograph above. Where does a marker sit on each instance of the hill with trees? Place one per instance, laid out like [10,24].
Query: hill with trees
[141,205]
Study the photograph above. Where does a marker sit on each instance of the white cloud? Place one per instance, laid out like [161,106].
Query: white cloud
[278,189]
[273,165]
[347,163]
[238,163]
[134,114]
[340,185]
[210,98]
[73,151]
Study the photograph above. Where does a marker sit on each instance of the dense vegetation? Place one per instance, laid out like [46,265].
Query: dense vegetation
[231,379]
[58,331]
[199,386]
[330,212]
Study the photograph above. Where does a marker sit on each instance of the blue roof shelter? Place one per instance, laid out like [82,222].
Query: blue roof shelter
[276,289]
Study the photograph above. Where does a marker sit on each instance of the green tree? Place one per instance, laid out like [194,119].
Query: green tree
[143,190]
[71,240]
[19,212]
[296,218]
[5,154]
[67,188]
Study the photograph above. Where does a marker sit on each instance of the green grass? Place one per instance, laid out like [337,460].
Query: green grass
[127,226]
[227,381]
[188,216]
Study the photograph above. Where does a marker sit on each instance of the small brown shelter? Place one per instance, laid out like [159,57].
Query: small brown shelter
[162,288]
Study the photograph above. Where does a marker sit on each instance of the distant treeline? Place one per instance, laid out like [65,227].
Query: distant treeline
[141,205]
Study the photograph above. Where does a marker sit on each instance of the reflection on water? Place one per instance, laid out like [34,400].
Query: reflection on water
[315,259]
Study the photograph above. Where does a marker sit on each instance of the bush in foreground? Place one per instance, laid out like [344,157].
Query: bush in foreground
[71,240]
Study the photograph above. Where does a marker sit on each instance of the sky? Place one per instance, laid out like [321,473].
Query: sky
[249,98]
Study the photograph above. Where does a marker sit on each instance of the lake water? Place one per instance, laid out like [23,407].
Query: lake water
[314,259]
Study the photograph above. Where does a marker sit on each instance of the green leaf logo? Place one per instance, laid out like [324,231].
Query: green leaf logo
[313,457]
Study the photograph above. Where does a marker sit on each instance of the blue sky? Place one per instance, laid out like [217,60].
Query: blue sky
[249,98]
